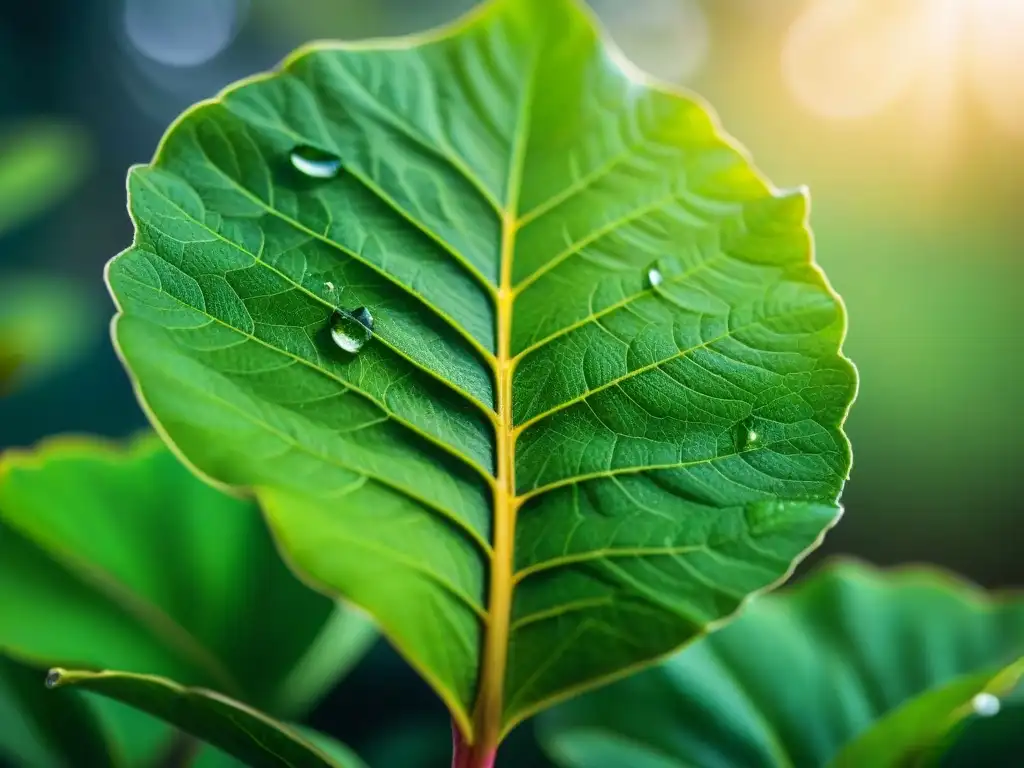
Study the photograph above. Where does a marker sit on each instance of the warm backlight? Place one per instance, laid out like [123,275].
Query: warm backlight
[854,58]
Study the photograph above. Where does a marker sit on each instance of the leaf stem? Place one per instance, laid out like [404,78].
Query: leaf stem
[463,755]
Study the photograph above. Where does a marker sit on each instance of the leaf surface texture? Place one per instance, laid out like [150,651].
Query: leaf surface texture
[603,399]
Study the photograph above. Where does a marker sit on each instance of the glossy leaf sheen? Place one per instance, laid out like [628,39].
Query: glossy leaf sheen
[157,572]
[854,667]
[538,473]
[244,733]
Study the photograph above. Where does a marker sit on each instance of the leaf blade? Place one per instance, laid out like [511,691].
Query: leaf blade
[541,180]
[41,732]
[228,725]
[108,587]
[803,677]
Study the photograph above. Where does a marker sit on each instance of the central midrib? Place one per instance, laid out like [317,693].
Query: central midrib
[489,706]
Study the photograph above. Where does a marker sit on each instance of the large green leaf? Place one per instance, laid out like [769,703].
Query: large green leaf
[603,397]
[852,668]
[122,559]
[238,730]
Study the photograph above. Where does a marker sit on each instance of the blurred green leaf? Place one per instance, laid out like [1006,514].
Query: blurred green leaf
[854,668]
[335,750]
[40,730]
[71,729]
[39,163]
[987,740]
[121,559]
[45,322]
[250,736]
[652,388]
[10,362]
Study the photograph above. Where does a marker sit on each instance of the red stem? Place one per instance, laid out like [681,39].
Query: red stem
[464,756]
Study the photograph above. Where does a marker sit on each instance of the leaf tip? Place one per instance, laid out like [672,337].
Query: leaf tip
[54,678]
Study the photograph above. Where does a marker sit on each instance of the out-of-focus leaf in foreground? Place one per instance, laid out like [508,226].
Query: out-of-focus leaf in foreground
[516,348]
[121,559]
[39,163]
[854,667]
[44,731]
[986,739]
[237,730]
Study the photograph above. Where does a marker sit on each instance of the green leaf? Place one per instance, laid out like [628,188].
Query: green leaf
[988,741]
[39,162]
[68,729]
[41,730]
[603,397]
[252,737]
[854,667]
[122,559]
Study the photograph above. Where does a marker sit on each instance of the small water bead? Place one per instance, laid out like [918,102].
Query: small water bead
[747,436]
[53,678]
[351,330]
[315,163]
[985,705]
[654,277]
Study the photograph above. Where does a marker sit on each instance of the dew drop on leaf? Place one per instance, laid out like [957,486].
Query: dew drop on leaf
[654,277]
[985,705]
[53,678]
[747,436]
[315,163]
[351,330]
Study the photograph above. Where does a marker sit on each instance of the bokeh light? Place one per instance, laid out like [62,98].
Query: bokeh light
[185,33]
[669,39]
[846,59]
[997,69]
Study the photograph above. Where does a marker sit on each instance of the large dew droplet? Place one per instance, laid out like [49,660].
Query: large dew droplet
[985,705]
[351,330]
[315,163]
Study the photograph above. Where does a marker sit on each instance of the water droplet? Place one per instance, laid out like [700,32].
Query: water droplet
[654,277]
[985,705]
[747,436]
[763,517]
[53,678]
[315,163]
[351,330]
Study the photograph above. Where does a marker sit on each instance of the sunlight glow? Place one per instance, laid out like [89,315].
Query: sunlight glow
[853,58]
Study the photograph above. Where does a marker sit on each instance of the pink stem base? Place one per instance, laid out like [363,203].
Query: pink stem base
[464,756]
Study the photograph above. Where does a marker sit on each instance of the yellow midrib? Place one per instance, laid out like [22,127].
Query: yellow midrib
[489,707]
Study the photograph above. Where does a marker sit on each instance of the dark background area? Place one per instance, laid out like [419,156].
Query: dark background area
[912,150]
